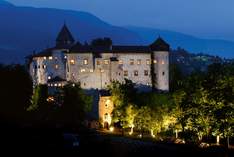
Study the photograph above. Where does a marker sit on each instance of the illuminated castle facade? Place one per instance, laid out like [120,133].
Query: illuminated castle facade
[95,67]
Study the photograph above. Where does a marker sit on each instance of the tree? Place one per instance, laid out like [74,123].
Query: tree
[15,93]
[75,105]
[101,42]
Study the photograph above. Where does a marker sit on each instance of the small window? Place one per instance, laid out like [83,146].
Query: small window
[82,70]
[72,61]
[106,116]
[85,62]
[73,75]
[121,62]
[139,62]
[59,84]
[56,58]
[146,72]
[106,105]
[98,62]
[50,58]
[84,84]
[44,58]
[136,73]
[102,71]
[131,61]
[148,61]
[49,77]
[65,57]
[44,66]
[155,61]
[91,70]
[163,62]
[56,66]
[125,73]
[147,84]
[163,73]
[106,61]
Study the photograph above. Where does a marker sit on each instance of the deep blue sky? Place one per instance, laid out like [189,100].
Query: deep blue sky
[202,18]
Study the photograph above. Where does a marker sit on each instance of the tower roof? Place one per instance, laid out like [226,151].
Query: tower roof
[64,37]
[160,45]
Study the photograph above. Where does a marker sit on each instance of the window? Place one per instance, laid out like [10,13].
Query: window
[106,61]
[155,61]
[163,62]
[91,70]
[106,116]
[56,66]
[82,70]
[84,84]
[49,77]
[59,84]
[102,71]
[146,72]
[120,61]
[50,57]
[65,57]
[56,58]
[44,58]
[85,62]
[136,73]
[147,84]
[163,73]
[139,62]
[73,75]
[131,61]
[148,61]
[72,61]
[125,73]
[44,66]
[98,62]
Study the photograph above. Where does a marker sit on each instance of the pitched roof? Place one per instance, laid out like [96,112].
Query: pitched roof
[160,45]
[64,36]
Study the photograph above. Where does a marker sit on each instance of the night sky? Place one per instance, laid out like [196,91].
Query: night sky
[202,18]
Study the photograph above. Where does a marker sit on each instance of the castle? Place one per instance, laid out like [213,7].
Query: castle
[95,67]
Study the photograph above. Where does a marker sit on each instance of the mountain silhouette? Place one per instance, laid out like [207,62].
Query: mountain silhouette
[24,30]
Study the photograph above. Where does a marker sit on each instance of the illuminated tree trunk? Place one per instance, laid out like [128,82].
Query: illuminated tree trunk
[176,132]
[217,139]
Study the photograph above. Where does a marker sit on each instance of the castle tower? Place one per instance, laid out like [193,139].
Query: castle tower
[160,64]
[64,37]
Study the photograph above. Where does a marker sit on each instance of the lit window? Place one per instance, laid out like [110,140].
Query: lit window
[85,62]
[135,73]
[65,57]
[139,62]
[49,77]
[148,61]
[163,62]
[146,72]
[125,73]
[72,61]
[50,58]
[59,84]
[98,62]
[82,70]
[131,61]
[106,61]
[44,66]
[44,58]
[106,116]
[102,71]
[91,70]
[147,84]
[56,66]
[155,61]
[55,84]
[120,61]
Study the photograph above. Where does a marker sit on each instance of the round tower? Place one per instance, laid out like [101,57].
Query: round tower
[160,65]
